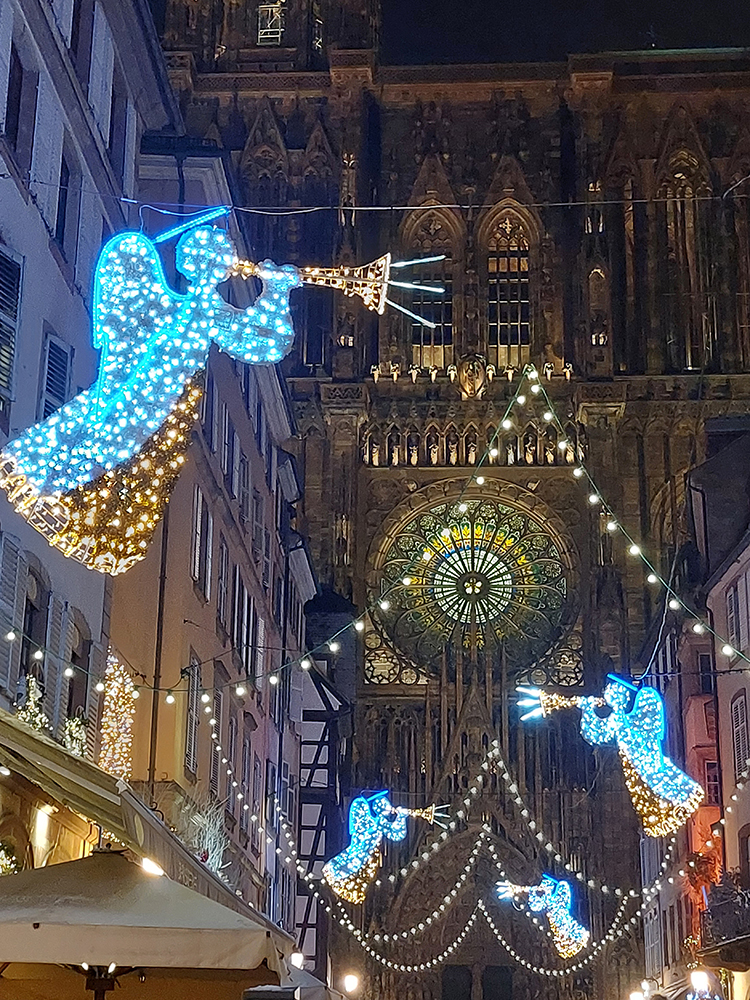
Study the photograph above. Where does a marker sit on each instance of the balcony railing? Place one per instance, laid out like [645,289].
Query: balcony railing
[728,915]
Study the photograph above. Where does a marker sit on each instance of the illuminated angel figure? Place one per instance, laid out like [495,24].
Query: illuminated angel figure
[553,898]
[371,818]
[663,796]
[95,476]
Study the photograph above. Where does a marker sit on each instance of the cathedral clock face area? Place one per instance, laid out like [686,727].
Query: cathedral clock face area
[476,574]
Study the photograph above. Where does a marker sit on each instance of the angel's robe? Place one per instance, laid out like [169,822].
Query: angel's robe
[554,899]
[153,340]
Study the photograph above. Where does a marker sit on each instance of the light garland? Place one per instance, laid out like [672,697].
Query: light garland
[553,898]
[31,712]
[9,864]
[663,796]
[118,710]
[371,819]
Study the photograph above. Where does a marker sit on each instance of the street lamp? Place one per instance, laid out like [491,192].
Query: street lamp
[351,982]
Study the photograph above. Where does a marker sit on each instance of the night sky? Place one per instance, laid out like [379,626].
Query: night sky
[418,31]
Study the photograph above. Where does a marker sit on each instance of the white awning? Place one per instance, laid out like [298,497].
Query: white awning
[105,909]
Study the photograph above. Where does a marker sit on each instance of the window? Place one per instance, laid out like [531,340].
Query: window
[56,376]
[709,712]
[78,685]
[706,671]
[244,489]
[222,583]
[257,786]
[245,784]
[215,752]
[62,202]
[202,543]
[258,646]
[20,111]
[193,716]
[271,792]
[744,844]
[227,440]
[508,294]
[241,622]
[270,23]
[433,347]
[740,745]
[258,521]
[10,296]
[712,783]
[232,757]
[266,559]
[236,465]
[737,615]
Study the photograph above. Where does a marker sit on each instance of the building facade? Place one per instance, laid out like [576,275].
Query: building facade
[76,95]
[585,221]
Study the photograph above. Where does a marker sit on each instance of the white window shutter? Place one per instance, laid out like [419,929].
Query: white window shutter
[296,694]
[57,649]
[89,236]
[100,73]
[97,667]
[131,147]
[13,573]
[47,152]
[731,606]
[64,13]
[742,613]
[262,660]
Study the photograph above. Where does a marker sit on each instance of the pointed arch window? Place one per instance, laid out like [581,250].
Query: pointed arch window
[508,294]
[432,348]
[691,305]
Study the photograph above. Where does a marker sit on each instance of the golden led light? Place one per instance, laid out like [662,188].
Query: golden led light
[351,982]
[118,711]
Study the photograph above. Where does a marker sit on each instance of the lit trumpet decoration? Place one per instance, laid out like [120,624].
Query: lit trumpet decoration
[95,477]
[371,819]
[632,718]
[554,899]
[369,282]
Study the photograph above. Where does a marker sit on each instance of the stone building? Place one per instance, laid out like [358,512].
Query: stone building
[593,221]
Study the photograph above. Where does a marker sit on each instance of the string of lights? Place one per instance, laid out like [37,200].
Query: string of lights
[283,210]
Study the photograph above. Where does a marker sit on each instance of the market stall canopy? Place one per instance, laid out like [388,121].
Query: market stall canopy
[105,909]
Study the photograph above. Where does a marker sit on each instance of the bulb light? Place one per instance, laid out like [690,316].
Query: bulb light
[240,689]
[634,550]
[334,646]
[351,983]
[480,480]
[273,680]
[652,578]
[305,663]
[151,867]
[507,424]
[68,672]
[297,959]
[359,625]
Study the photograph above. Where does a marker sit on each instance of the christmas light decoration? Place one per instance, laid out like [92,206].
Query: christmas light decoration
[95,476]
[371,818]
[30,711]
[9,863]
[74,737]
[663,796]
[554,899]
[118,711]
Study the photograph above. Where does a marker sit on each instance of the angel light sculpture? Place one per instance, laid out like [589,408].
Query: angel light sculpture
[633,720]
[96,475]
[371,819]
[554,899]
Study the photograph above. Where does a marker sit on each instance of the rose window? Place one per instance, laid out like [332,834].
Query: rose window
[476,573]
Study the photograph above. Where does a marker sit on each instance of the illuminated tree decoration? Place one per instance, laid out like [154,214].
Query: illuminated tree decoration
[371,818]
[554,899]
[476,568]
[74,737]
[9,863]
[31,712]
[663,796]
[95,476]
[116,755]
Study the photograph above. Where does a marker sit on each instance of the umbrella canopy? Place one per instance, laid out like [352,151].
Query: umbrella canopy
[105,909]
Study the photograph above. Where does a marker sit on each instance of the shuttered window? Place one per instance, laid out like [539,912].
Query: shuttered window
[56,376]
[201,549]
[737,614]
[245,784]
[215,753]
[222,584]
[740,743]
[10,296]
[193,716]
[232,757]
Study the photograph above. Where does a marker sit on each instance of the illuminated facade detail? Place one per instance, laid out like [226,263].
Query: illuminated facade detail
[554,899]
[118,710]
[663,796]
[478,569]
[9,863]
[371,818]
[31,712]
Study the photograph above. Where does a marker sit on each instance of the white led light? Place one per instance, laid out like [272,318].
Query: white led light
[480,480]
[240,690]
[594,499]
[634,550]
[305,663]
[699,628]
[273,679]
[169,698]
[99,686]
[10,636]
[652,578]
[520,400]
[611,525]
[151,867]
[674,604]
[334,646]
[727,650]
[384,604]
[68,672]
[507,424]
[359,625]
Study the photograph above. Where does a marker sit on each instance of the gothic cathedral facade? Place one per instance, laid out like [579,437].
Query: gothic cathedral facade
[592,220]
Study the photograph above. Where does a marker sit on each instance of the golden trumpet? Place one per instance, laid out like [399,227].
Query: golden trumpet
[369,282]
[427,813]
